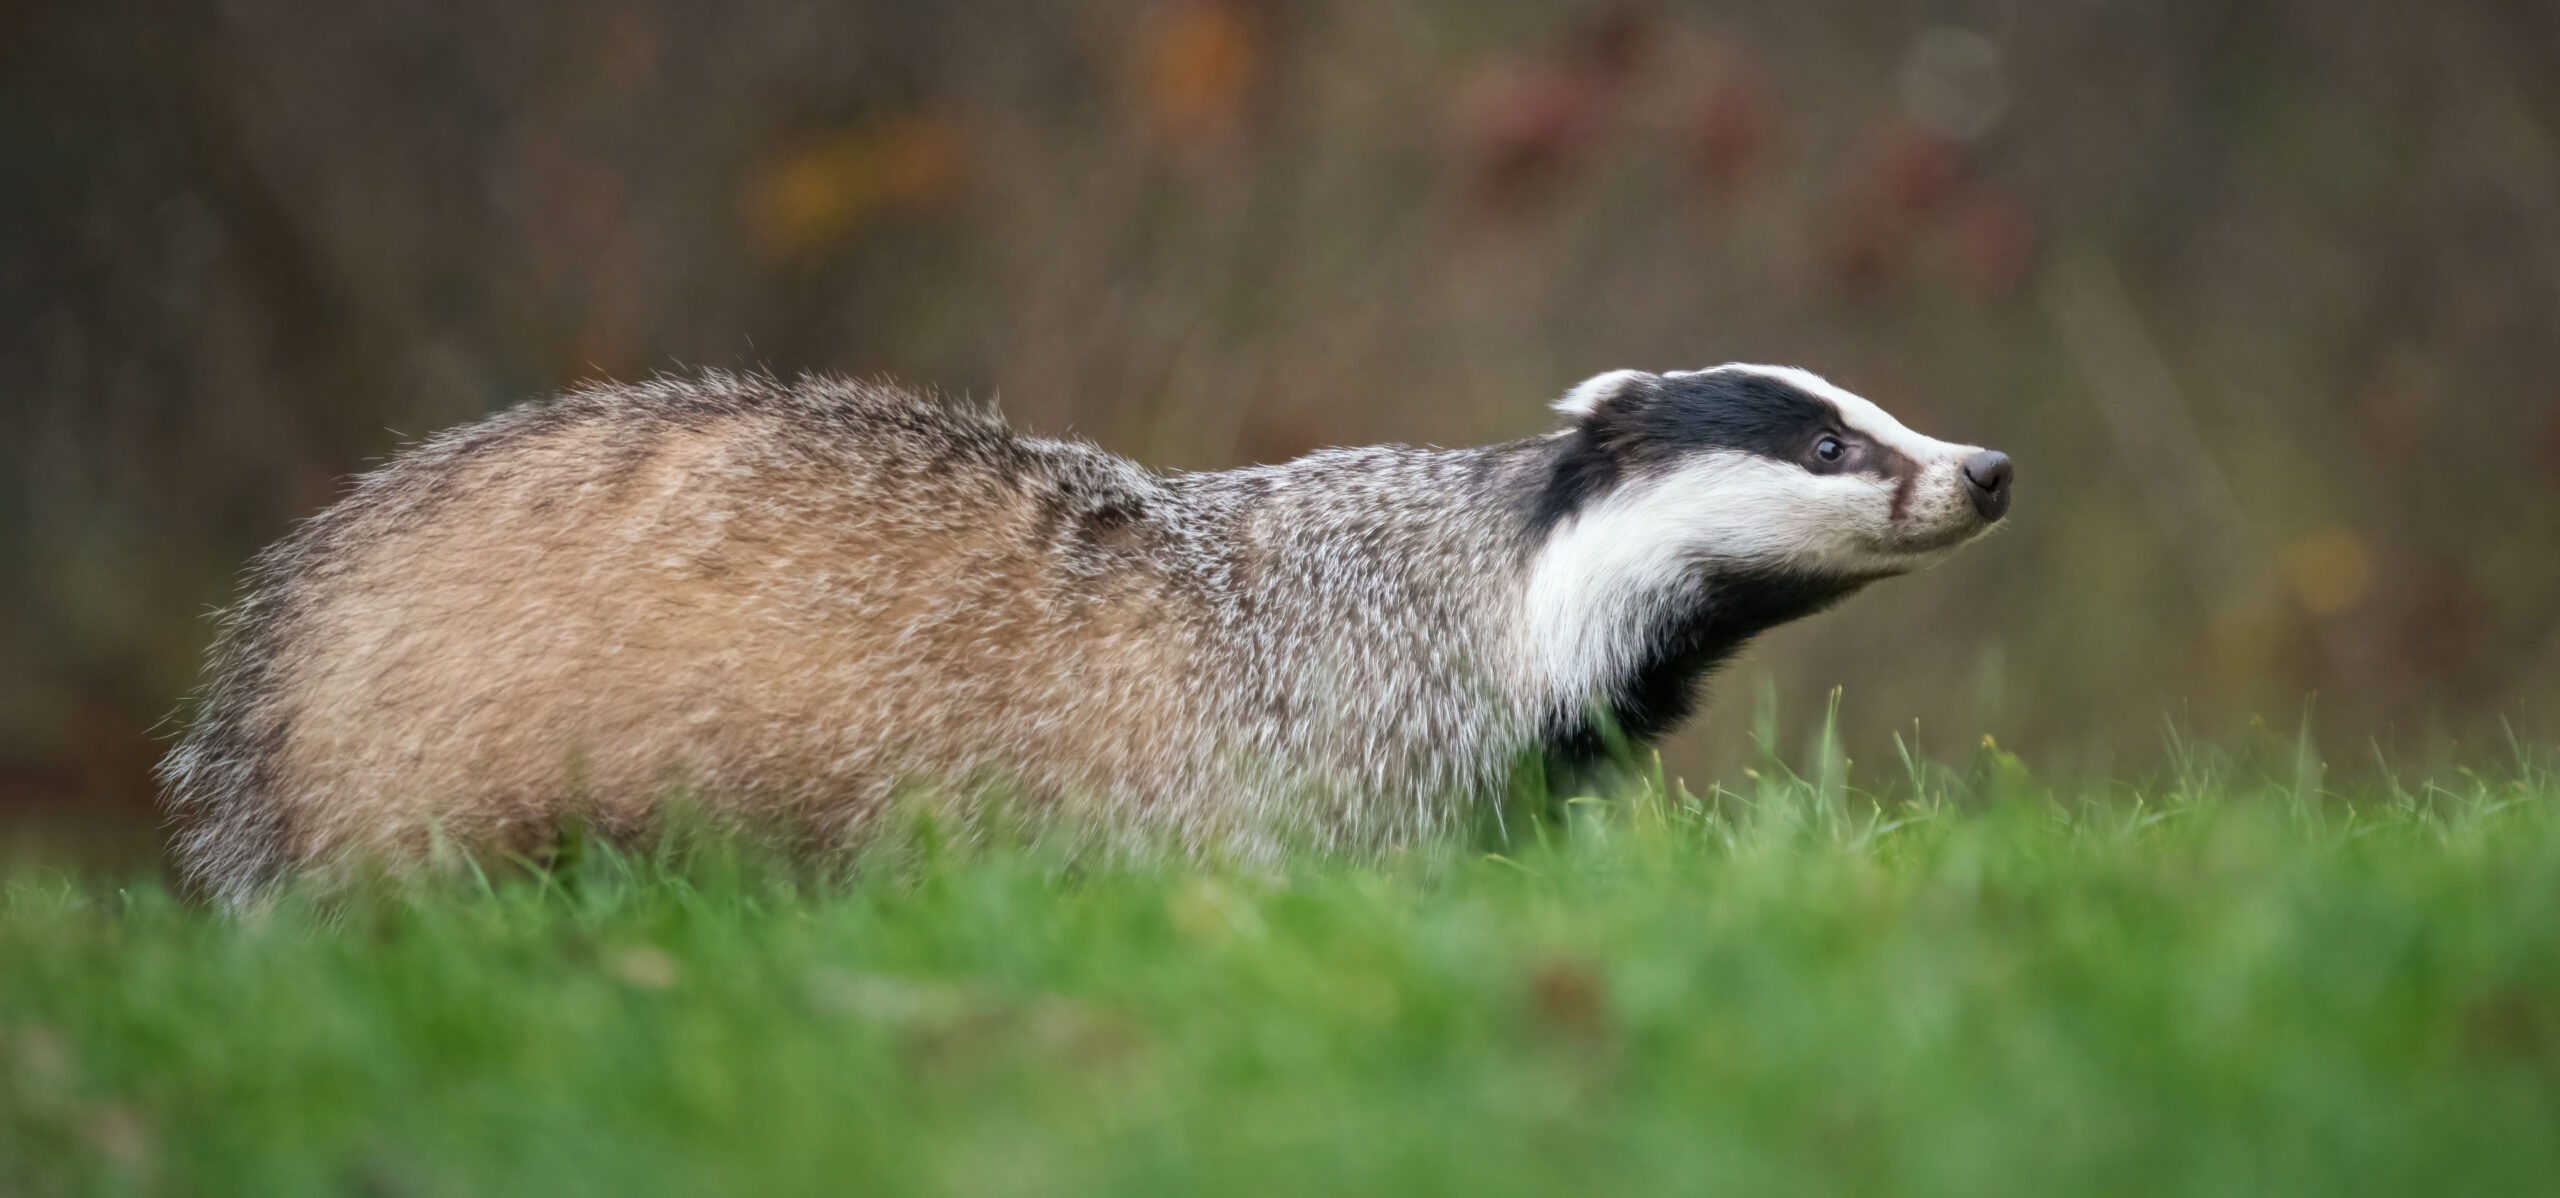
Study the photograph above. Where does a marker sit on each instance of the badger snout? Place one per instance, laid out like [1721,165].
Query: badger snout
[1986,482]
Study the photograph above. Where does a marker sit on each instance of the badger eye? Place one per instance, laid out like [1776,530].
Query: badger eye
[1829,449]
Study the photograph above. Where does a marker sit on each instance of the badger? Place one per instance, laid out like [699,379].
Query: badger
[792,599]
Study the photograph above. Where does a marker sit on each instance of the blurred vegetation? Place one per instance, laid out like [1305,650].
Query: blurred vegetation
[2228,981]
[2261,295]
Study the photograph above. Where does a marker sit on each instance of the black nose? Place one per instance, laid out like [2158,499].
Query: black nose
[1986,479]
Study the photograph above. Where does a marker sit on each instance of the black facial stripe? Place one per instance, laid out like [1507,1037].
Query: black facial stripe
[1729,410]
[1578,471]
[1654,424]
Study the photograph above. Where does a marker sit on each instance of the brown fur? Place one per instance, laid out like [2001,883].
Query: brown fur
[591,602]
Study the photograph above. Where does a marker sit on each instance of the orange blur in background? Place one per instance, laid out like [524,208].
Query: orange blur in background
[2265,304]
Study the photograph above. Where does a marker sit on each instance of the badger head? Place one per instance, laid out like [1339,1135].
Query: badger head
[1679,514]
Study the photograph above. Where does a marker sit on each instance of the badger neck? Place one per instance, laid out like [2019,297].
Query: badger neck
[1387,602]
[1620,620]
[1667,644]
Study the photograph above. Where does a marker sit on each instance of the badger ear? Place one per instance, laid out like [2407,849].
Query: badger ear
[1600,390]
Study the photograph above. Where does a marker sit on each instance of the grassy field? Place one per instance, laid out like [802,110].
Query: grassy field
[2224,981]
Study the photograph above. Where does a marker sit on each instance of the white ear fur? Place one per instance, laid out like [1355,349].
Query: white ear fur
[1587,395]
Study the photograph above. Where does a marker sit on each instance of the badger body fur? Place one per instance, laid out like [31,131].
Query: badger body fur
[792,598]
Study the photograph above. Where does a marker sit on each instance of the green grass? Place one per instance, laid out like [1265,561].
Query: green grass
[2226,982]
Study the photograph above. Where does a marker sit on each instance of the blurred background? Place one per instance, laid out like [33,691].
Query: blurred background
[2263,296]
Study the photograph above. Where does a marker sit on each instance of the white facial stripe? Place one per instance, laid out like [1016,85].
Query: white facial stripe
[1604,571]
[1861,415]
